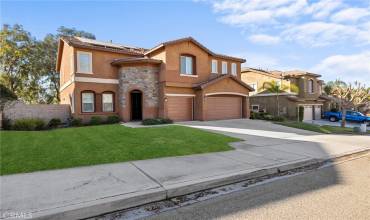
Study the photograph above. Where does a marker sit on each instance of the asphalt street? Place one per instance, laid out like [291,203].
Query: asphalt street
[341,191]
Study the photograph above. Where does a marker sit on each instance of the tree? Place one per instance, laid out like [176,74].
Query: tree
[27,66]
[277,88]
[48,47]
[17,72]
[349,95]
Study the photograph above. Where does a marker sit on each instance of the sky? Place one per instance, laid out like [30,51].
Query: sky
[327,37]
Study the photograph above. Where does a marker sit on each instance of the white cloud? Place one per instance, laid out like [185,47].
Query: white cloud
[264,39]
[323,9]
[252,17]
[346,67]
[319,33]
[313,23]
[350,14]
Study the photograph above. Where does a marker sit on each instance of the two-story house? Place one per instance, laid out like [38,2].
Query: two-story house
[181,80]
[309,93]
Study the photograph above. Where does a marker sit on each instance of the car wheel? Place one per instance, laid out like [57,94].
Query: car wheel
[332,119]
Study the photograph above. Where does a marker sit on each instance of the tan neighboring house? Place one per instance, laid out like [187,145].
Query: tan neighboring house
[180,79]
[309,96]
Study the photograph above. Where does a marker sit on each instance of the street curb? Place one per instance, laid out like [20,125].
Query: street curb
[126,201]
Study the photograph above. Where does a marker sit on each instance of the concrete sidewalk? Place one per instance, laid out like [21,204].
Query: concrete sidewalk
[88,191]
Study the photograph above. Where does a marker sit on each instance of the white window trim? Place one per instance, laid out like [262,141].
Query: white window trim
[78,62]
[222,67]
[232,69]
[258,108]
[312,91]
[192,66]
[188,75]
[214,62]
[82,106]
[255,91]
[102,101]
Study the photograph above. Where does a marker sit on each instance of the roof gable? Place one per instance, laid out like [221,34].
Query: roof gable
[190,39]
[212,81]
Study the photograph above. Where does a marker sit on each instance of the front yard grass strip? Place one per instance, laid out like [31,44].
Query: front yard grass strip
[28,151]
[326,129]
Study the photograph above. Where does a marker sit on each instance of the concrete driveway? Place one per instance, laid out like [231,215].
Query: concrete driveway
[269,136]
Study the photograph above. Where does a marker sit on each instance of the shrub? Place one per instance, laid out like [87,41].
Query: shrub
[7,125]
[95,120]
[76,122]
[268,117]
[334,110]
[54,122]
[278,118]
[112,119]
[300,113]
[28,124]
[156,121]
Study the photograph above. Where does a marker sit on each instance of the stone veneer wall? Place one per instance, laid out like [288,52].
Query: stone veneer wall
[144,78]
[17,110]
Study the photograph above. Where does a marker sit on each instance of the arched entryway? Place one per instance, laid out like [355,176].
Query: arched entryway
[136,97]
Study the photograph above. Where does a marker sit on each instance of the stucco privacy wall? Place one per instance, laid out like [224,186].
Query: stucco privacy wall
[143,78]
[16,110]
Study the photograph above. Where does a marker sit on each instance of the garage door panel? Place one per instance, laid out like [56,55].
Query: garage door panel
[224,108]
[307,114]
[180,108]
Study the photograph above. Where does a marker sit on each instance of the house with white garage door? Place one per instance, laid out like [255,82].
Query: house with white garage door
[309,94]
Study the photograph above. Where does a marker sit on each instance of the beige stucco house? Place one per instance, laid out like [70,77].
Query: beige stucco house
[309,95]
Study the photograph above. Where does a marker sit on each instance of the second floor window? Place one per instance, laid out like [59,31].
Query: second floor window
[187,65]
[88,102]
[84,62]
[310,86]
[233,69]
[214,66]
[224,67]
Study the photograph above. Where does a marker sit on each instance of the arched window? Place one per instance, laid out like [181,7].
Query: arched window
[310,86]
[87,101]
[108,101]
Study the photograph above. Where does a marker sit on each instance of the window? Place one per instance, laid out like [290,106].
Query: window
[310,86]
[187,65]
[224,67]
[233,69]
[88,102]
[255,108]
[107,102]
[254,86]
[214,66]
[84,62]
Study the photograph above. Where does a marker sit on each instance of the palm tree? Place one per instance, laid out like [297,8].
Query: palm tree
[277,88]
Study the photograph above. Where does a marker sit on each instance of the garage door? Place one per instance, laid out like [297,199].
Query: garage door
[307,114]
[223,108]
[317,112]
[180,108]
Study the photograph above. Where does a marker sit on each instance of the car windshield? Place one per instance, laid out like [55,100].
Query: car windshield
[359,113]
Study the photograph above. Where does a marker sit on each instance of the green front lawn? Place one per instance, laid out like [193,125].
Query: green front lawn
[326,129]
[27,151]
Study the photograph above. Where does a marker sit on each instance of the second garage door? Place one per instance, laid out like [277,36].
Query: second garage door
[180,108]
[227,107]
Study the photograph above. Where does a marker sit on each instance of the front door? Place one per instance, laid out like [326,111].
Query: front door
[136,105]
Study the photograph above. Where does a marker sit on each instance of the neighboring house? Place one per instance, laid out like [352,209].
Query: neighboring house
[181,80]
[309,96]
